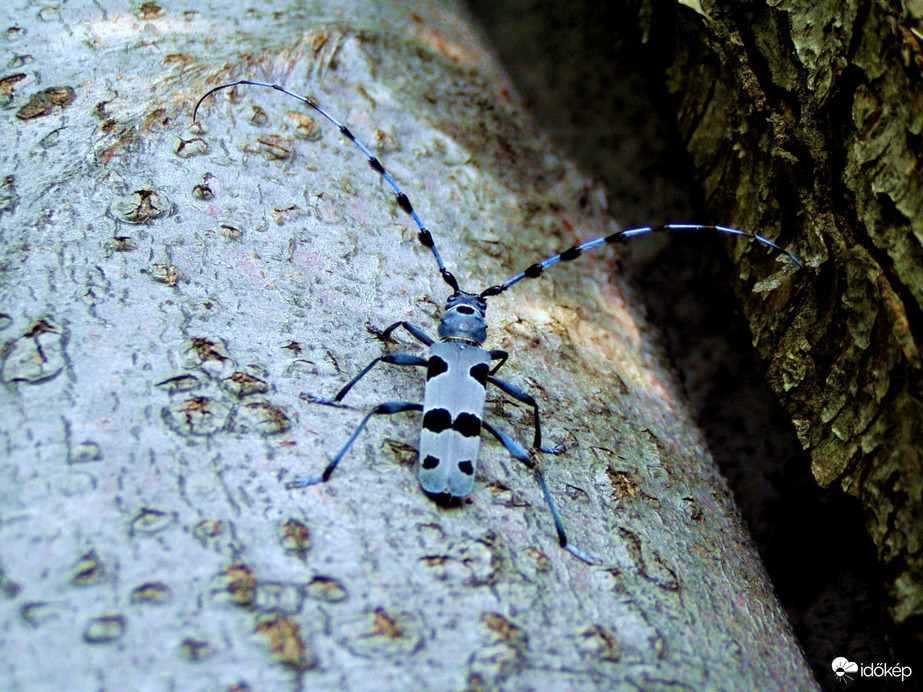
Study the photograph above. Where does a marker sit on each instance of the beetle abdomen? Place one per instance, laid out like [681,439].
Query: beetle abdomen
[452,409]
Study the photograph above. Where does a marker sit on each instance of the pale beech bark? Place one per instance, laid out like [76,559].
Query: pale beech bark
[170,289]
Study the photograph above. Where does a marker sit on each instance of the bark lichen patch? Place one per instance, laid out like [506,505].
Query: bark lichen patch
[295,538]
[46,101]
[198,416]
[36,356]
[285,641]
[142,206]
[380,633]
[104,629]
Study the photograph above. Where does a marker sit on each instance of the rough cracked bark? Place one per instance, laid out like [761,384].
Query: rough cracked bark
[804,120]
[170,289]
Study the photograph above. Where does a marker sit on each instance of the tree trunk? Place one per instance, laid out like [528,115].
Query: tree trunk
[594,74]
[805,121]
[170,289]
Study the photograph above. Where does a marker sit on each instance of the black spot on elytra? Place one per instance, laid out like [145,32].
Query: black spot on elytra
[436,367]
[437,420]
[430,462]
[480,372]
[467,425]
[466,467]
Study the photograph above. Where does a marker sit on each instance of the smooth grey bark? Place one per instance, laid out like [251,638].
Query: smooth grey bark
[170,289]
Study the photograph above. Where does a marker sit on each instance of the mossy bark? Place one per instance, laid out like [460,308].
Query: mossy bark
[804,121]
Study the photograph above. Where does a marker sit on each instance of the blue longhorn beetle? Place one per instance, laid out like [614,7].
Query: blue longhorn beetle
[458,369]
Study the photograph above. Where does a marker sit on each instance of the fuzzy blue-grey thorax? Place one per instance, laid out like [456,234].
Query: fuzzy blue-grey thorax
[464,319]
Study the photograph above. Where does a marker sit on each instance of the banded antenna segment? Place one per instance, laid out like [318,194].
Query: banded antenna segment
[536,270]
[424,236]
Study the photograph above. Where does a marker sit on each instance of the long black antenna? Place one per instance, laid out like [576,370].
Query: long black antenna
[536,270]
[425,237]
